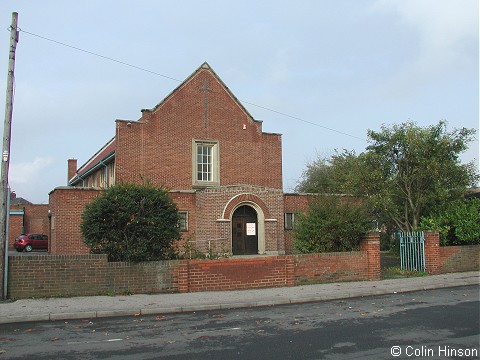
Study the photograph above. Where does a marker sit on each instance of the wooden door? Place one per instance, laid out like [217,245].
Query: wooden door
[244,231]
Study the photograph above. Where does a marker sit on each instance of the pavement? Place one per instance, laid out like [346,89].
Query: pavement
[88,307]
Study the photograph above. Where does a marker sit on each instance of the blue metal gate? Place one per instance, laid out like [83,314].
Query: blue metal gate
[412,251]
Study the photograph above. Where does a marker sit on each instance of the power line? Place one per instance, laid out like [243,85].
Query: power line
[174,79]
[303,120]
[100,56]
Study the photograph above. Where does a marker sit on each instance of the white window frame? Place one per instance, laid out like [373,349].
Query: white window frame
[289,221]
[214,165]
[180,227]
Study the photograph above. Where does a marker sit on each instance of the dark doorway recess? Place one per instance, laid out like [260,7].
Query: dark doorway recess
[244,231]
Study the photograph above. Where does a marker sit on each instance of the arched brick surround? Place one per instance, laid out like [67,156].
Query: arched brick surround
[259,206]
[244,198]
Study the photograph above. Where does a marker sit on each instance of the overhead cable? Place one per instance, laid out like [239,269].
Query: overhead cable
[177,80]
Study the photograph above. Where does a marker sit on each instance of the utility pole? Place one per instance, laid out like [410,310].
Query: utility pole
[7,133]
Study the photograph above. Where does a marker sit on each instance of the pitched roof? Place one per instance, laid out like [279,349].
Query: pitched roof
[204,66]
[103,156]
[17,200]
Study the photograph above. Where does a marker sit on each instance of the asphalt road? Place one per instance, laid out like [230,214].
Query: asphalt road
[431,324]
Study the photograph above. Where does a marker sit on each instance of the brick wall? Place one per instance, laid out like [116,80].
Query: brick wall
[15,228]
[341,266]
[186,201]
[67,205]
[36,219]
[235,274]
[79,275]
[329,267]
[444,259]
[83,275]
[459,258]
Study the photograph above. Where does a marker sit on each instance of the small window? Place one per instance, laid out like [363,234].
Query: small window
[289,221]
[183,220]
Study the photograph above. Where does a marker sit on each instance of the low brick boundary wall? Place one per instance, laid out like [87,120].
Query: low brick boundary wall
[459,258]
[288,270]
[445,259]
[341,266]
[84,275]
[236,274]
[330,267]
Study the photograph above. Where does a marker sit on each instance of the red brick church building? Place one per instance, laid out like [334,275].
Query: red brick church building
[223,172]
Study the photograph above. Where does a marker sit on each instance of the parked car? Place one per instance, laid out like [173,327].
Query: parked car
[29,242]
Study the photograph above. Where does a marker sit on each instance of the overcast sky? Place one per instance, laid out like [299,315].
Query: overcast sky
[329,69]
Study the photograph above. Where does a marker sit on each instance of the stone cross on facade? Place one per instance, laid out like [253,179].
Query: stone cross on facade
[205,89]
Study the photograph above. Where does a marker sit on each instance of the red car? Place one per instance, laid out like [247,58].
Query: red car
[29,242]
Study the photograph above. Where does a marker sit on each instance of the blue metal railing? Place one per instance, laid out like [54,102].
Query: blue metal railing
[412,251]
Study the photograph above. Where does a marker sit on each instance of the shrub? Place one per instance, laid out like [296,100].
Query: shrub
[131,223]
[458,223]
[330,225]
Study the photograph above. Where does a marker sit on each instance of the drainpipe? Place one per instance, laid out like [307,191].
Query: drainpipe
[83,180]
[79,177]
[23,221]
[106,173]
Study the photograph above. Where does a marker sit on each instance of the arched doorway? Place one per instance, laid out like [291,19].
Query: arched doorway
[244,231]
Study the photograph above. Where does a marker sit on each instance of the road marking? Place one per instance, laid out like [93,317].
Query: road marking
[93,341]
[217,330]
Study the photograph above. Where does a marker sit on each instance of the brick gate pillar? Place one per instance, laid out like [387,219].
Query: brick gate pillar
[183,276]
[370,244]
[432,252]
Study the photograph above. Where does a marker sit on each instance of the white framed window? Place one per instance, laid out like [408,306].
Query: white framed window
[183,220]
[289,221]
[205,163]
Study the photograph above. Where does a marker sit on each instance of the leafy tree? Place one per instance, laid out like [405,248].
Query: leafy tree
[343,173]
[331,224]
[458,224]
[318,178]
[418,169]
[132,223]
[405,173]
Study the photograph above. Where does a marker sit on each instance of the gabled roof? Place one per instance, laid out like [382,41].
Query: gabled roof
[204,66]
[103,156]
[17,200]
[107,153]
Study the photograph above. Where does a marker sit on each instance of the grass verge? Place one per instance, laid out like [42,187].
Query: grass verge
[396,272]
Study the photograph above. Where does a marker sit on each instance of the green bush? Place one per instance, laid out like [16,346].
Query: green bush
[131,223]
[458,223]
[330,225]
